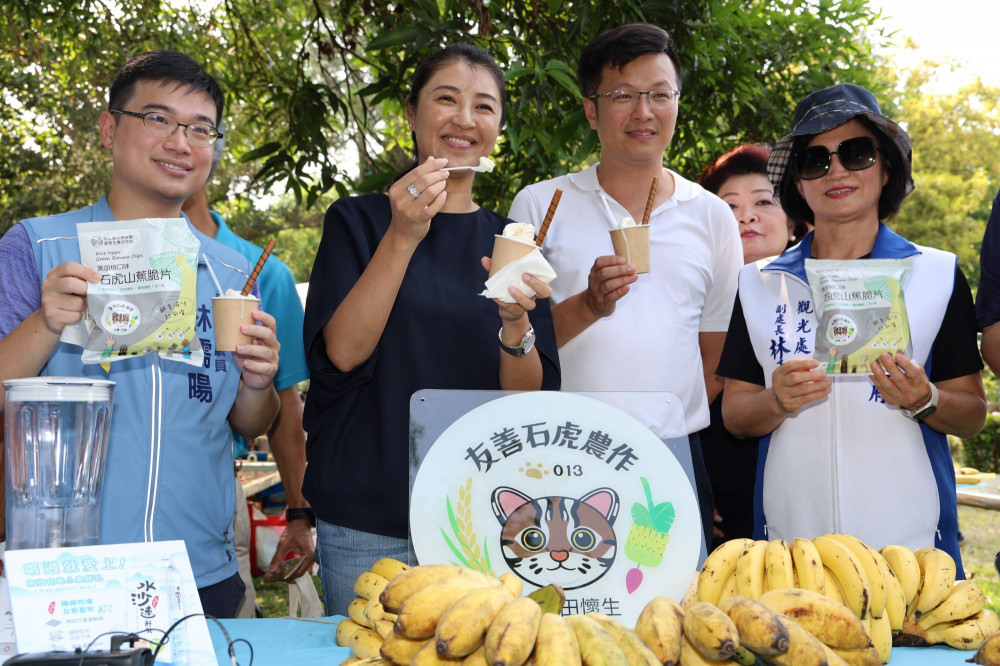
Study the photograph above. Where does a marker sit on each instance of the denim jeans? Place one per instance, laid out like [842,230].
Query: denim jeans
[344,554]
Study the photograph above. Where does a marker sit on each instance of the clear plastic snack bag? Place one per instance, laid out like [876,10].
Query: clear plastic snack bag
[861,310]
[146,300]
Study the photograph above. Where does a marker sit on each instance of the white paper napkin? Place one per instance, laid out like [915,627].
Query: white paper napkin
[510,276]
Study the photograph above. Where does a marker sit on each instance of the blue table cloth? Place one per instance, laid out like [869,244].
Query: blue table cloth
[285,641]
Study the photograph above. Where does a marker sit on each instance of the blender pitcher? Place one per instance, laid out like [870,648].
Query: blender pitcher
[56,438]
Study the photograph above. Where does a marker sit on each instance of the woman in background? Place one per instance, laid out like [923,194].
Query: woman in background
[739,178]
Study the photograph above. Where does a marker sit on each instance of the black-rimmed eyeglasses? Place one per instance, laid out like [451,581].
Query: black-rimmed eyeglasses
[855,154]
[664,98]
[162,125]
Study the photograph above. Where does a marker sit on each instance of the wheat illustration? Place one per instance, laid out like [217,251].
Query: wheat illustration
[467,551]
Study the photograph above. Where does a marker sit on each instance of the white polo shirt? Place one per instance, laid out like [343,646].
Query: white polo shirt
[650,342]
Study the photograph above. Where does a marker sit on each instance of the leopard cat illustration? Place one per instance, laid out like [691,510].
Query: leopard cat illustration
[554,539]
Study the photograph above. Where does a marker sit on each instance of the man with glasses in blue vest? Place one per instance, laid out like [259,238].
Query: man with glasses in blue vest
[169,468]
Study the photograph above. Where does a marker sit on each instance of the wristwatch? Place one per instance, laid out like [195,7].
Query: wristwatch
[305,513]
[527,343]
[926,410]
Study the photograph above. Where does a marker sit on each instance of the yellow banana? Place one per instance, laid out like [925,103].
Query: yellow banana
[636,652]
[831,622]
[904,564]
[365,643]
[372,661]
[511,636]
[369,585]
[389,568]
[758,626]
[691,657]
[597,646]
[556,644]
[804,649]
[866,657]
[710,631]
[895,599]
[989,652]
[349,661]
[965,600]
[512,584]
[831,588]
[778,571]
[399,649]
[345,628]
[409,581]
[717,569]
[356,611]
[808,566]
[428,655]
[383,628]
[876,605]
[729,588]
[937,569]
[750,570]
[477,658]
[419,614]
[848,571]
[969,634]
[659,625]
[462,628]
[373,610]
[832,658]
[881,634]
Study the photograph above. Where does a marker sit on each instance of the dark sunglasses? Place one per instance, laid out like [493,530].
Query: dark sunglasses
[855,154]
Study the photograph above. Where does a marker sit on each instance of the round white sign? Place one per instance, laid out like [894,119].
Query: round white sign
[560,488]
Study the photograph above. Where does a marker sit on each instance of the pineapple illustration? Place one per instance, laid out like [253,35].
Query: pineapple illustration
[647,539]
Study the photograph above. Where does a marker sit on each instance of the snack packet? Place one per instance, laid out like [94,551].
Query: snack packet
[861,310]
[146,300]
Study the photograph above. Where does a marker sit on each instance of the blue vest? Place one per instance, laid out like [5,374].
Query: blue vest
[169,469]
[850,462]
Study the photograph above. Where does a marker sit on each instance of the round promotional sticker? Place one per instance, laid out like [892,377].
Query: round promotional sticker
[560,488]
[120,317]
[841,330]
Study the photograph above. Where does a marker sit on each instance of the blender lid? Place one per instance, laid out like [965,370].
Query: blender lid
[58,388]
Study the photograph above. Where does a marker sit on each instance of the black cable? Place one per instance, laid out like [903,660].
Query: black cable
[229,641]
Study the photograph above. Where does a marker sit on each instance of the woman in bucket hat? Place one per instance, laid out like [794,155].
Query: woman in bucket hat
[862,454]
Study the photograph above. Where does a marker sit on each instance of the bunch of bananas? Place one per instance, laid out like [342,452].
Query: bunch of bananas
[898,595]
[367,622]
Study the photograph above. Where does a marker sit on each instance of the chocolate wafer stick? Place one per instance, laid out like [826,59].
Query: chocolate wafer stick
[256,269]
[649,201]
[548,217]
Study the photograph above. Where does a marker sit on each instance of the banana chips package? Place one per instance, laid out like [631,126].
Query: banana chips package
[146,299]
[861,310]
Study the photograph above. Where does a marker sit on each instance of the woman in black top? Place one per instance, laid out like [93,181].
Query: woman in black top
[393,309]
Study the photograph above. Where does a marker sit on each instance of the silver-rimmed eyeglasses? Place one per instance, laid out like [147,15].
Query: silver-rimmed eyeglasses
[162,125]
[663,98]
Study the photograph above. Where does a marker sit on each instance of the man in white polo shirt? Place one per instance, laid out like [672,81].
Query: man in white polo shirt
[617,330]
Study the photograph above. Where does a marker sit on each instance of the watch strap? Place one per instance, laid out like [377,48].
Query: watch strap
[305,513]
[522,349]
[926,409]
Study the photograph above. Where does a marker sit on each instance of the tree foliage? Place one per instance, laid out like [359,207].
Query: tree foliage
[316,88]
[956,160]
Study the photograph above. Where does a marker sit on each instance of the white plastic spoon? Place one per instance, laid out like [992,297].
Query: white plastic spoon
[485,166]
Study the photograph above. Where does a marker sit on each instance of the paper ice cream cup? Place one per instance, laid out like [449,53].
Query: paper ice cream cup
[228,314]
[507,250]
[633,244]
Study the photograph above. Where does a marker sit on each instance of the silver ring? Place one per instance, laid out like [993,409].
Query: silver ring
[412,189]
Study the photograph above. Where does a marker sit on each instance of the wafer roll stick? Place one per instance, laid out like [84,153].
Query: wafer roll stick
[548,217]
[649,201]
[260,264]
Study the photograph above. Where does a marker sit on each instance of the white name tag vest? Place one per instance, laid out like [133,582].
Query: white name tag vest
[847,463]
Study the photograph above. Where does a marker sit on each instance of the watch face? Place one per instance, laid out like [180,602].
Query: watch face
[529,340]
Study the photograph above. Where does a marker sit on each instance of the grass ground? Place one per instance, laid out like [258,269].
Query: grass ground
[981,529]
[273,598]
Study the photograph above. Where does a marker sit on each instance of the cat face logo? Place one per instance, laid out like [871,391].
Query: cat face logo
[562,540]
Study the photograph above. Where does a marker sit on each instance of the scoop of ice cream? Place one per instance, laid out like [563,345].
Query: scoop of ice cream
[236,293]
[486,164]
[519,231]
[626,222]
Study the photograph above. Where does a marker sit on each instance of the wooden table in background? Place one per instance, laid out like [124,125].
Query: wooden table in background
[985,494]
